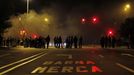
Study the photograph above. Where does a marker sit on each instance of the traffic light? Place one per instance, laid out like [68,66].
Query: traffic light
[95,20]
[83,20]
[110,33]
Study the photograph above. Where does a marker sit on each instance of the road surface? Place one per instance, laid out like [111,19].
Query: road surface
[87,61]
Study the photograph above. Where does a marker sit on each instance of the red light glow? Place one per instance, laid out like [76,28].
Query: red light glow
[110,32]
[95,20]
[83,20]
[34,36]
[96,69]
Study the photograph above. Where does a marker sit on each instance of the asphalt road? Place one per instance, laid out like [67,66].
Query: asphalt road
[87,61]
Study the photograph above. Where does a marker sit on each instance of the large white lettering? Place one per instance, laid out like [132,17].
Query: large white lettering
[79,67]
[39,70]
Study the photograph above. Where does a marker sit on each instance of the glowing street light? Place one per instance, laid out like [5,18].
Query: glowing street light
[46,19]
[20,21]
[127,7]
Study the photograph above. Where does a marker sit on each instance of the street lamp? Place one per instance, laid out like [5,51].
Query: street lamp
[28,5]
[127,7]
[46,19]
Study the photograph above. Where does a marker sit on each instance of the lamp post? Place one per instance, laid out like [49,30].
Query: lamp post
[28,2]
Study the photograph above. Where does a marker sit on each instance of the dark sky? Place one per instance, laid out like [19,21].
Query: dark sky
[109,12]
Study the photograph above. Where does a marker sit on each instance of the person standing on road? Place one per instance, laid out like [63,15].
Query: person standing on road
[1,38]
[71,41]
[113,42]
[109,41]
[47,41]
[75,41]
[55,42]
[105,41]
[60,42]
[102,41]
[80,41]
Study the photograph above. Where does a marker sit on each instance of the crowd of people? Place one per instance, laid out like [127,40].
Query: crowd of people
[73,41]
[108,41]
[58,42]
[40,42]
[44,42]
[70,42]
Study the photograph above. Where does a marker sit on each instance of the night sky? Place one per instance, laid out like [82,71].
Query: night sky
[109,12]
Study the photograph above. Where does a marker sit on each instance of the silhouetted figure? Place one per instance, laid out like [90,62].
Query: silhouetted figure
[131,41]
[113,42]
[1,40]
[60,42]
[67,42]
[102,41]
[105,41]
[75,41]
[55,42]
[109,41]
[71,41]
[47,41]
[80,41]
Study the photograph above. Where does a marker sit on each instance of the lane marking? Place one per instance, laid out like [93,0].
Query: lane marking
[20,60]
[4,55]
[125,67]
[101,56]
[24,63]
[130,55]
[68,55]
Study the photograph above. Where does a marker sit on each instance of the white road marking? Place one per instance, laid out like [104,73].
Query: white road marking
[125,67]
[20,61]
[130,55]
[4,55]
[101,56]
[68,55]
[24,63]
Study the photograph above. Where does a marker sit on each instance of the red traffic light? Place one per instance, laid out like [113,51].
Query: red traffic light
[110,33]
[95,19]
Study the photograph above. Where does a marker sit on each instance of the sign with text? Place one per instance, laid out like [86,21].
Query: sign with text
[68,67]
